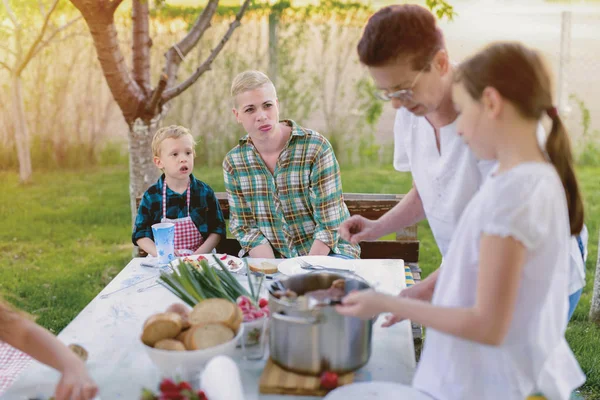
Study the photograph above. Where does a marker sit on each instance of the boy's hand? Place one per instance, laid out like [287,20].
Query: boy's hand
[147,245]
[365,304]
[75,384]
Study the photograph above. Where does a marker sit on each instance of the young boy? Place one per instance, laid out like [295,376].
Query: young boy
[179,197]
[283,181]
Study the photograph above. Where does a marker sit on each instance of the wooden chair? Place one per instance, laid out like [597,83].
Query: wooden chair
[371,206]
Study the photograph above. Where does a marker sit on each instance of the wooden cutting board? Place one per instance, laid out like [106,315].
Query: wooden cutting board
[276,380]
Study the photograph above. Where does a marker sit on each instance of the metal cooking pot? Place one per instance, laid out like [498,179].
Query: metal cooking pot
[317,340]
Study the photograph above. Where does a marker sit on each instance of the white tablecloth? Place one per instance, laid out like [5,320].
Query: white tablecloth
[109,328]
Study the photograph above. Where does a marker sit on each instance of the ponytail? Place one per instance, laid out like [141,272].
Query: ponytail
[519,75]
[558,148]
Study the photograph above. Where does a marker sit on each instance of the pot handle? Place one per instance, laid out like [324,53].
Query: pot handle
[295,320]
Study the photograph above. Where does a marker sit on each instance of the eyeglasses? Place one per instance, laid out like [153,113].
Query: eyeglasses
[402,94]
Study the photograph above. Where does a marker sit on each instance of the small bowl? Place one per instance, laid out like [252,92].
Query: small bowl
[254,329]
[188,364]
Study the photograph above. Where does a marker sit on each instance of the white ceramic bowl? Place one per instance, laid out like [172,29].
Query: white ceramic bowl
[188,364]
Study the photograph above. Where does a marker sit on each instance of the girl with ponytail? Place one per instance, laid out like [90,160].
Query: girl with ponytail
[497,318]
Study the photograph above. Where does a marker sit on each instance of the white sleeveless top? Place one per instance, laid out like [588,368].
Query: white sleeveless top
[527,203]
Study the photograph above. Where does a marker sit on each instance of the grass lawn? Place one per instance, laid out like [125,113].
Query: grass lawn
[68,234]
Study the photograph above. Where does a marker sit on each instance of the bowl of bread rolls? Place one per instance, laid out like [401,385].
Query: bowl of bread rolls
[180,341]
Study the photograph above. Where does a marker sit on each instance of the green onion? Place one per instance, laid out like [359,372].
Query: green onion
[193,285]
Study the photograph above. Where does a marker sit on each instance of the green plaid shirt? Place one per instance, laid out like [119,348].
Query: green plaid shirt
[301,202]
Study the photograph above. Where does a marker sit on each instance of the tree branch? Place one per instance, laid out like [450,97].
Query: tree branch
[7,29]
[116,4]
[156,94]
[11,14]
[47,42]
[175,54]
[56,32]
[41,6]
[7,49]
[6,66]
[140,48]
[176,91]
[37,41]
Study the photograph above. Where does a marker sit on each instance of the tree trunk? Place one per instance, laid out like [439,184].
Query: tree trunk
[273,59]
[143,107]
[21,131]
[595,307]
[142,171]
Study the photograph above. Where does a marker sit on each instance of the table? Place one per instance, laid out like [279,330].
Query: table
[109,328]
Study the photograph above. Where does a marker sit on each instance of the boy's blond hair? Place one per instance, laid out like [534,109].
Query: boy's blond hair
[249,80]
[170,132]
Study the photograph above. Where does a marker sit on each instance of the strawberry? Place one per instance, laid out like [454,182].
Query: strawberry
[329,380]
[262,303]
[183,385]
[171,395]
[167,385]
[202,395]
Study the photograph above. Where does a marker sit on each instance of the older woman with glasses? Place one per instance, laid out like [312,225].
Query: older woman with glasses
[405,53]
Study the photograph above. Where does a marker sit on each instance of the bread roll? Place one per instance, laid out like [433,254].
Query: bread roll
[182,334]
[169,344]
[182,310]
[235,325]
[208,335]
[265,267]
[161,326]
[215,310]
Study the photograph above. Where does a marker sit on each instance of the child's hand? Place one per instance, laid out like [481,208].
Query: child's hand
[365,304]
[418,292]
[75,384]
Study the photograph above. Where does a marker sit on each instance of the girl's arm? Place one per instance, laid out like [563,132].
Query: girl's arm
[40,344]
[487,322]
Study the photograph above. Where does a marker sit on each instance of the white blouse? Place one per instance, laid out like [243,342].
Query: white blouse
[527,203]
[447,180]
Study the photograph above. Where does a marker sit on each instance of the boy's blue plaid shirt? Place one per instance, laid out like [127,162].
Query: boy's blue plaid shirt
[302,201]
[204,209]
